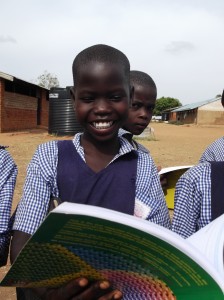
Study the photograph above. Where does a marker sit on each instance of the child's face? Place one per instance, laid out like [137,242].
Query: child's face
[140,112]
[102,96]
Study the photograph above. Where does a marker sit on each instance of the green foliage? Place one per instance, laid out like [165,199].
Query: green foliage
[165,103]
[47,80]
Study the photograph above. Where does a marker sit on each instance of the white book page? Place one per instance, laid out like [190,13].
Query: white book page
[210,241]
[175,168]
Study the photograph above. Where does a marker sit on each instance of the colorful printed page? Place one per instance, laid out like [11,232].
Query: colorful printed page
[172,176]
[142,259]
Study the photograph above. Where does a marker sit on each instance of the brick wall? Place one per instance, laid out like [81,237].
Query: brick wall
[19,112]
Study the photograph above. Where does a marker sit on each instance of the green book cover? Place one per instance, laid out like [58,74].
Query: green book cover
[142,259]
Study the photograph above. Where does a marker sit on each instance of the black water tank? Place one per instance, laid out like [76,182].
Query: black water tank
[62,120]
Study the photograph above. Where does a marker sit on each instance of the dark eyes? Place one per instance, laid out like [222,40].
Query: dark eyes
[115,97]
[136,105]
[88,99]
[139,105]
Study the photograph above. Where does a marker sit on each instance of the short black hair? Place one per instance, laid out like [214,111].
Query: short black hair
[100,53]
[141,78]
[222,99]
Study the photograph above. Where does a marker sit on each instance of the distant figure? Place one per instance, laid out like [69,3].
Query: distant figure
[152,132]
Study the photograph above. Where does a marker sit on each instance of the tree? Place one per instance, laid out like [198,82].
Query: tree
[165,103]
[47,80]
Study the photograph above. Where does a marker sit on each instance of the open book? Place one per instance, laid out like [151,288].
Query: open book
[172,175]
[210,241]
[142,259]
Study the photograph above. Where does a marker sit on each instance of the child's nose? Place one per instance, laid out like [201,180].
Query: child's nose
[145,114]
[102,106]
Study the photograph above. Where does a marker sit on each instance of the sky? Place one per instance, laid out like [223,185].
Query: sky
[179,43]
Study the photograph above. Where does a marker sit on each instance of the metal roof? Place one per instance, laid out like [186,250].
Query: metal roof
[196,104]
[6,76]
[12,78]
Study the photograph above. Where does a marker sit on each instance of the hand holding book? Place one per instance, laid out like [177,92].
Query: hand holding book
[80,288]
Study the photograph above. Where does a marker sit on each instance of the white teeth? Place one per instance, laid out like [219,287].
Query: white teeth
[102,125]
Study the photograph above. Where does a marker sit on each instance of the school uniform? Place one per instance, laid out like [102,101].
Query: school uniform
[214,152]
[129,136]
[125,133]
[8,174]
[192,206]
[76,182]
[193,195]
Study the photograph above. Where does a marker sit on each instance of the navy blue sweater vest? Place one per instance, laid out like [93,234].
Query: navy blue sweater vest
[113,187]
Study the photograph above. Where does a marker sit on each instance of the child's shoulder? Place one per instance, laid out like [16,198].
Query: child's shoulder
[198,172]
[217,143]
[48,145]
[5,156]
[48,149]
[142,149]
[3,151]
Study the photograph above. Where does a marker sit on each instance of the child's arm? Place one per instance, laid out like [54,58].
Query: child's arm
[149,192]
[192,201]
[79,288]
[8,174]
[159,213]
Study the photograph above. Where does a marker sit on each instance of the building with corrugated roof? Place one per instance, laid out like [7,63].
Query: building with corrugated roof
[23,105]
[208,112]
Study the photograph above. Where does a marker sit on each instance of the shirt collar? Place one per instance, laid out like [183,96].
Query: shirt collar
[125,146]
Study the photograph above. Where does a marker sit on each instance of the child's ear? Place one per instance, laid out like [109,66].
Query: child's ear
[132,89]
[72,94]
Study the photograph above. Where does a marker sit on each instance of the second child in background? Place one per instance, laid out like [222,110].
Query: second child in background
[142,106]
[141,110]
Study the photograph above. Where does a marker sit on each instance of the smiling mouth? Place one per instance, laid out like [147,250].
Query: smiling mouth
[102,125]
[141,125]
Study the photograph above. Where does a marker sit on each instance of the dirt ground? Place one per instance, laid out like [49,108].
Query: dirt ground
[172,146]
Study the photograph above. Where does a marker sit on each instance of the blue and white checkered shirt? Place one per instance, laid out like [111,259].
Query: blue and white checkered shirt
[122,132]
[8,174]
[192,204]
[41,183]
[214,152]
[129,136]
